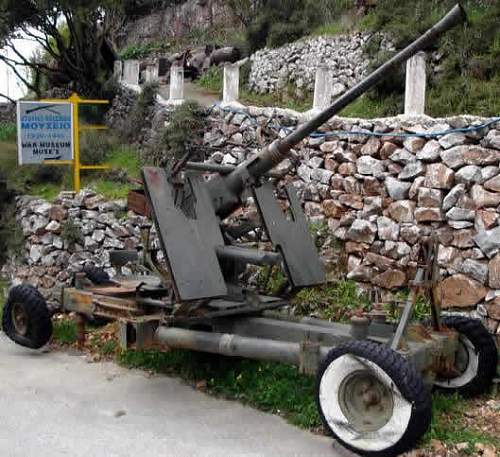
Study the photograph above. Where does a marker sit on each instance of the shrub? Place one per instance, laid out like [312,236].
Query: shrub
[71,232]
[183,134]
[8,131]
[212,79]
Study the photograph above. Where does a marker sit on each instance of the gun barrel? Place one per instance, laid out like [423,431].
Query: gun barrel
[279,150]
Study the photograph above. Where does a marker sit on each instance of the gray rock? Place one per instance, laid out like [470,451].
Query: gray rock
[362,231]
[35,253]
[430,197]
[459,225]
[460,214]
[430,152]
[367,165]
[454,157]
[304,173]
[315,162]
[489,241]
[452,139]
[321,175]
[402,156]
[469,174]
[476,269]
[412,170]
[488,173]
[387,229]
[397,190]
[454,195]
[492,140]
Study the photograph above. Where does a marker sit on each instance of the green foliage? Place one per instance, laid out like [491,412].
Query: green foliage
[64,331]
[271,280]
[71,232]
[3,290]
[421,311]
[11,235]
[139,116]
[183,134]
[95,147]
[8,131]
[337,301]
[282,21]
[212,79]
[141,50]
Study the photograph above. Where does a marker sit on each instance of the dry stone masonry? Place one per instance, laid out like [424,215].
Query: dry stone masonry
[63,236]
[296,63]
[381,192]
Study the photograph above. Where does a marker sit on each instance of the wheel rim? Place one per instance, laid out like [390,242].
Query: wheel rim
[19,319]
[348,418]
[365,401]
[466,365]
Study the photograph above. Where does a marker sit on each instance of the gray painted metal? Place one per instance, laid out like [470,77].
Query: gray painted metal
[230,345]
[187,243]
[251,256]
[291,237]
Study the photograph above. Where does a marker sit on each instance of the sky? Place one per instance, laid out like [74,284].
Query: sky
[9,83]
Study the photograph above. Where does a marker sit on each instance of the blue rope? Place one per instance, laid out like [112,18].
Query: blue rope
[337,133]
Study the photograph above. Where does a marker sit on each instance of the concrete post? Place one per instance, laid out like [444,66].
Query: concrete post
[415,85]
[118,70]
[176,85]
[131,72]
[322,89]
[231,83]
[152,73]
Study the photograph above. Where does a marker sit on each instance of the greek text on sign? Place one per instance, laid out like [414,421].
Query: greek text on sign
[45,131]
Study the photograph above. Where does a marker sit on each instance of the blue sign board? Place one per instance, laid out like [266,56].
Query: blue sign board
[44,131]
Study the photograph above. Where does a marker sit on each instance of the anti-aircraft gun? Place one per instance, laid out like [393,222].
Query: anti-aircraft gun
[373,377]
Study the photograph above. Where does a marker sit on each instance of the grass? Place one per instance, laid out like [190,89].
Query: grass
[3,287]
[447,427]
[64,331]
[8,131]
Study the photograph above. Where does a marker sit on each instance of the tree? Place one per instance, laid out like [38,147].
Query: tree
[73,35]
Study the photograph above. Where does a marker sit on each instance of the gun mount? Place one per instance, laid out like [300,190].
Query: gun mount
[371,375]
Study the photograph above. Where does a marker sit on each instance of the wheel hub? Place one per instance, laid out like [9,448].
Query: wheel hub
[19,319]
[366,402]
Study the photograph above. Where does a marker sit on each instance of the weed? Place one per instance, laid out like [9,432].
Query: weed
[71,232]
[8,131]
[141,50]
[212,79]
[337,301]
[447,427]
[64,331]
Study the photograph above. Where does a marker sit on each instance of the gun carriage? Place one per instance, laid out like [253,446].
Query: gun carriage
[373,377]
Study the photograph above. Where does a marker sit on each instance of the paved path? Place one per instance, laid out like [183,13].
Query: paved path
[56,404]
[193,92]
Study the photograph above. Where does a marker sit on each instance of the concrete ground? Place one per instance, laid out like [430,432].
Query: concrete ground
[56,404]
[193,92]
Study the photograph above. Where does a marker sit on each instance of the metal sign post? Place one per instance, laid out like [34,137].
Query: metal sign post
[49,134]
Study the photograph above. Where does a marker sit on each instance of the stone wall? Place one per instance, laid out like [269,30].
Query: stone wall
[382,195]
[51,255]
[380,191]
[296,63]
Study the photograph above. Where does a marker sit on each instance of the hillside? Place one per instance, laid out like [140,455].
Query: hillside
[464,75]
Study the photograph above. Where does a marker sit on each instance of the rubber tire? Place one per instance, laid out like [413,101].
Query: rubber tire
[97,275]
[484,345]
[39,329]
[404,376]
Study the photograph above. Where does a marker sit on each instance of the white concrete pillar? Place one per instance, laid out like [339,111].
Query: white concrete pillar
[416,81]
[118,70]
[231,91]
[322,89]
[131,72]
[176,85]
[152,73]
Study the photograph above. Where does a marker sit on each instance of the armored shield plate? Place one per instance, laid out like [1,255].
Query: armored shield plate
[291,237]
[188,243]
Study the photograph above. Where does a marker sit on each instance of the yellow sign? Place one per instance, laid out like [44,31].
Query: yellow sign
[75,101]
